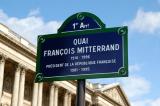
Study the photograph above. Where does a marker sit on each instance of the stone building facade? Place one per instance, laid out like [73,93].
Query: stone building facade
[17,87]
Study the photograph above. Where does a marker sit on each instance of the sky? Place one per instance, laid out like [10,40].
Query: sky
[30,18]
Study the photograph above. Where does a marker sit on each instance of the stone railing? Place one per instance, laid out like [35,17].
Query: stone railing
[17,37]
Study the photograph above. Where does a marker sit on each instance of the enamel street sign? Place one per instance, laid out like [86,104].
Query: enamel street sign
[82,49]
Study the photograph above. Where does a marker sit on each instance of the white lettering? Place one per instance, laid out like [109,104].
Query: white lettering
[80,41]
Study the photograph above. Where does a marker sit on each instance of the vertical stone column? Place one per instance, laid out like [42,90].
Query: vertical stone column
[52,96]
[56,96]
[2,65]
[69,99]
[16,87]
[40,91]
[65,102]
[35,94]
[21,88]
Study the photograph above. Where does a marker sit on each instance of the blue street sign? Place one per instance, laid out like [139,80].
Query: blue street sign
[75,53]
[81,22]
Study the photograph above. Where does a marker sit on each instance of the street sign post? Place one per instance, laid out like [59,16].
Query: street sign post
[82,49]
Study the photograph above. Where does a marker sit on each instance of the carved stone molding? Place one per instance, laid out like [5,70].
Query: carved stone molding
[22,68]
[113,93]
[18,68]
[23,72]
[2,58]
